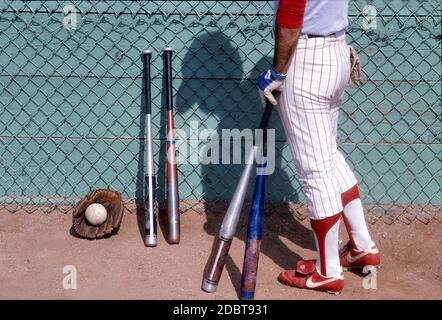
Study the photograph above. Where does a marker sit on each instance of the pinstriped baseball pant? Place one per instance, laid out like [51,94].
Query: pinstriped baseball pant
[309,107]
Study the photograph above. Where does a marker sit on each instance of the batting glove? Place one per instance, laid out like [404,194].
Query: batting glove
[269,81]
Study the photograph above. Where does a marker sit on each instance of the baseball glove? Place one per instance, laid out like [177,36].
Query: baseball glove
[356,74]
[111,200]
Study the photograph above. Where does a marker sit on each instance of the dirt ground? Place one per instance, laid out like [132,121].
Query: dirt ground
[34,249]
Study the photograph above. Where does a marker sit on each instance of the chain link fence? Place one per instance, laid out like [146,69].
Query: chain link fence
[72,116]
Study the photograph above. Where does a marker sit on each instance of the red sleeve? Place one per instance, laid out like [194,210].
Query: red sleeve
[290,13]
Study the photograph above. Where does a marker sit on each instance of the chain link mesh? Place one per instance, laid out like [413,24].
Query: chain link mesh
[72,117]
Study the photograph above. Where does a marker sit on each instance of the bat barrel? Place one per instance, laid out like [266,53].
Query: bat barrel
[230,222]
[254,236]
[215,264]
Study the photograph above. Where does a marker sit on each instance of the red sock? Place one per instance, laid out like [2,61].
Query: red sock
[326,233]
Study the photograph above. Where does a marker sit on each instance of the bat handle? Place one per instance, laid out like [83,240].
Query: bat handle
[146,74]
[168,64]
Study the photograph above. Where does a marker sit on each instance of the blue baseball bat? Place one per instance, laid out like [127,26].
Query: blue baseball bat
[254,231]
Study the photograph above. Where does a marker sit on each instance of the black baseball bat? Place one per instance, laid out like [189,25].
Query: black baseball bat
[150,239]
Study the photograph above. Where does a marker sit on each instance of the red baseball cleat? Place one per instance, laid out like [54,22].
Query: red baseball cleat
[354,259]
[307,277]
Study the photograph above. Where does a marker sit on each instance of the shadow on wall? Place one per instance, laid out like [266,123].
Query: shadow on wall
[214,85]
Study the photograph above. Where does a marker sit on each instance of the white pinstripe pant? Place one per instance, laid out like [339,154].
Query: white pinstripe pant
[309,108]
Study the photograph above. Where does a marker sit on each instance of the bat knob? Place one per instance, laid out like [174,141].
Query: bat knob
[208,286]
[146,51]
[168,49]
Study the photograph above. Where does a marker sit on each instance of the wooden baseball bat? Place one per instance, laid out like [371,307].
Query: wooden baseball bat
[172,196]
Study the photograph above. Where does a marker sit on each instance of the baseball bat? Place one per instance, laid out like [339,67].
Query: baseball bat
[150,238]
[172,197]
[254,230]
[220,249]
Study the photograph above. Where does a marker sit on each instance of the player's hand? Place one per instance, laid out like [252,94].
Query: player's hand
[269,81]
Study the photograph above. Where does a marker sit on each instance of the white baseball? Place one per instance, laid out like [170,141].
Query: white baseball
[96,214]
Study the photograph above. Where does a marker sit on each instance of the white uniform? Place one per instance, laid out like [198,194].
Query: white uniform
[309,107]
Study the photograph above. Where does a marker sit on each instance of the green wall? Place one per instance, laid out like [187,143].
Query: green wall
[72,117]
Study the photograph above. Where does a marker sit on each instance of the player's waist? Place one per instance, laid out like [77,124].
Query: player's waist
[336,35]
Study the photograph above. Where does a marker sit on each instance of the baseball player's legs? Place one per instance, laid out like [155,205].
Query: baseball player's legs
[314,78]
[353,212]
[354,219]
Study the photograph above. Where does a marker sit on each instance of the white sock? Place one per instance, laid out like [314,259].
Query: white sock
[356,225]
